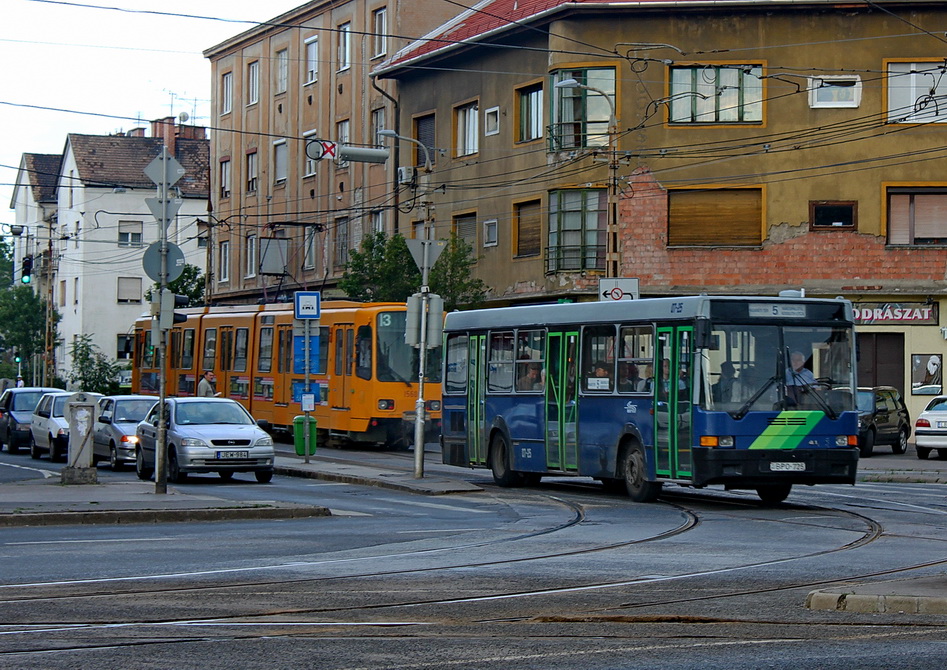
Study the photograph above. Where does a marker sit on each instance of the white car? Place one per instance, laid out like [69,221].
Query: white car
[49,429]
[930,429]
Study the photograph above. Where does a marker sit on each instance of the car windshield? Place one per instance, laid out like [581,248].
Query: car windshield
[866,401]
[937,405]
[59,405]
[132,410]
[203,413]
[26,402]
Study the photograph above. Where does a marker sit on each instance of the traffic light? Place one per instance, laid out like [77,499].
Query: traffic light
[168,316]
[26,276]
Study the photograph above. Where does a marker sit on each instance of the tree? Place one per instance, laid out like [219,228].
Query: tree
[382,271]
[452,277]
[6,263]
[91,370]
[23,321]
[190,283]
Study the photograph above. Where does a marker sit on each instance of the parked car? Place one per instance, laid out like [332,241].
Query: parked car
[49,429]
[930,429]
[16,408]
[882,419]
[115,438]
[206,435]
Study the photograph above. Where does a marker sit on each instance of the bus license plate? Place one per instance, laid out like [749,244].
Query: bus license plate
[223,455]
[787,467]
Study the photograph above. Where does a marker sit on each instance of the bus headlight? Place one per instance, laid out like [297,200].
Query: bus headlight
[716,440]
[846,440]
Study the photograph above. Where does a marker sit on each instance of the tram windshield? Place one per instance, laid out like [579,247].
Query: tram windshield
[397,361]
[769,367]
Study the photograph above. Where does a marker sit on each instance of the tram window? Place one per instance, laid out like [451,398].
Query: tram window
[455,372]
[598,358]
[363,352]
[240,351]
[187,350]
[323,364]
[349,351]
[500,367]
[265,351]
[210,349]
[175,345]
[635,356]
[285,353]
[339,351]
[226,350]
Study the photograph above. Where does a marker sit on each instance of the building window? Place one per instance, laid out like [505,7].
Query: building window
[580,115]
[252,171]
[417,230]
[129,233]
[312,59]
[344,53]
[251,256]
[378,221]
[424,133]
[917,216]
[342,137]
[530,110]
[225,178]
[309,168]
[62,293]
[491,121]
[724,217]
[280,155]
[916,93]
[468,132]
[529,227]
[253,82]
[577,227]
[717,94]
[341,241]
[282,70]
[830,91]
[202,241]
[380,29]
[378,122]
[226,93]
[75,290]
[829,214]
[490,233]
[465,228]
[309,253]
[129,290]
[124,347]
[223,262]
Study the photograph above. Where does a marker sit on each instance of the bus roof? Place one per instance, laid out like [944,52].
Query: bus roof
[648,309]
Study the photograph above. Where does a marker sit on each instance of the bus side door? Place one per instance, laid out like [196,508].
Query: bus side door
[561,390]
[674,389]
[476,387]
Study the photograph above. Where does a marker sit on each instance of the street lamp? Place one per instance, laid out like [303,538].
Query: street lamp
[612,253]
[426,241]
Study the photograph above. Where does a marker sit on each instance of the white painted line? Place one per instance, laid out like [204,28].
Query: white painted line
[46,473]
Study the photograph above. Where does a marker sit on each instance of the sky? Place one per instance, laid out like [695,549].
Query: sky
[85,56]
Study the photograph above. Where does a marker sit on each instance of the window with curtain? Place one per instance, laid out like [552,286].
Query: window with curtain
[312,60]
[530,108]
[282,70]
[467,129]
[580,115]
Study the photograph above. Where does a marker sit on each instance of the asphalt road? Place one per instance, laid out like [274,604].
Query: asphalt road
[558,576]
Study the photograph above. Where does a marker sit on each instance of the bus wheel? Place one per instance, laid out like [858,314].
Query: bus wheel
[773,493]
[503,474]
[636,477]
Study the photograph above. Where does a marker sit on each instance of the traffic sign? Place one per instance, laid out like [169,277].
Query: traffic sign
[151,261]
[622,288]
[307,304]
[164,169]
[416,247]
[164,211]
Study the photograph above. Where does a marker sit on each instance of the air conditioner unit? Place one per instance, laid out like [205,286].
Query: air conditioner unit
[406,175]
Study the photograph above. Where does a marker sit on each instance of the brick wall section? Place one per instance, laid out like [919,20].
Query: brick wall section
[832,258]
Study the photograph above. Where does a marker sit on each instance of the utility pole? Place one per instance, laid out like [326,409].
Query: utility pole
[49,359]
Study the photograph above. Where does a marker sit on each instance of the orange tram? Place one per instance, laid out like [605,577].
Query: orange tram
[362,373]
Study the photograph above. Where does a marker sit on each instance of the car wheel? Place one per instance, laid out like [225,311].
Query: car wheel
[635,474]
[142,470]
[901,445]
[113,459]
[12,446]
[263,476]
[867,445]
[175,476]
[226,475]
[923,452]
[772,494]
[35,453]
[53,451]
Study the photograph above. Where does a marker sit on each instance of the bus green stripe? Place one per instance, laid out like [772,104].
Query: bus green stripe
[787,436]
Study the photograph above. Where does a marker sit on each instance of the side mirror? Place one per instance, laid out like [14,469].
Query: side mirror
[265,425]
[105,419]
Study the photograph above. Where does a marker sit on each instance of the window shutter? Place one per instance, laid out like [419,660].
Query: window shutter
[719,217]
[529,229]
[129,289]
[424,127]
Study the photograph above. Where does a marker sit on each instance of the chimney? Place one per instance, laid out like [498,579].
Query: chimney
[164,128]
[135,132]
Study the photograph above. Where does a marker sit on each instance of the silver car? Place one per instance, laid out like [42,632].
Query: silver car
[206,435]
[115,435]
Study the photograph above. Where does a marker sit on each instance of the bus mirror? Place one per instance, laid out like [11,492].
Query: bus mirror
[704,339]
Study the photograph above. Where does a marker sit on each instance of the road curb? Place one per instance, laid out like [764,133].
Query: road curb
[871,603]
[159,515]
[433,486]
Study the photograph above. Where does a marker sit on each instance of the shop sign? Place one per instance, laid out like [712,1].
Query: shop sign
[896,313]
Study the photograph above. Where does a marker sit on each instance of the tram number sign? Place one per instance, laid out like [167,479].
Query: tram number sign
[787,467]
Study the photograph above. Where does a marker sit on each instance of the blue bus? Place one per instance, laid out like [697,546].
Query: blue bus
[745,392]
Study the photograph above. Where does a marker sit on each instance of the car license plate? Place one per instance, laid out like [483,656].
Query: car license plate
[223,455]
[787,467]
[942,424]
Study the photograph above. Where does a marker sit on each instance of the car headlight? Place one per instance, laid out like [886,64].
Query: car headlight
[193,442]
[265,441]
[130,439]
[22,426]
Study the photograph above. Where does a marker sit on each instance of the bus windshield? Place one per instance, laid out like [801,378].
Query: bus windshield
[397,361]
[774,367]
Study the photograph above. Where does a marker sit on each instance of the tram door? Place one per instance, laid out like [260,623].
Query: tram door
[561,435]
[283,390]
[225,371]
[344,354]
[476,354]
[674,390]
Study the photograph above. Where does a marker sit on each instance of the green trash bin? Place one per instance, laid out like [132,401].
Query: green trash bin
[299,435]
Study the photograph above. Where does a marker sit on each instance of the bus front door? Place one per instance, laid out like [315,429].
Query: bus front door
[562,449]
[477,346]
[674,390]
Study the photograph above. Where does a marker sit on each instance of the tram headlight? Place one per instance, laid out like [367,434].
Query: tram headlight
[384,403]
[433,406]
